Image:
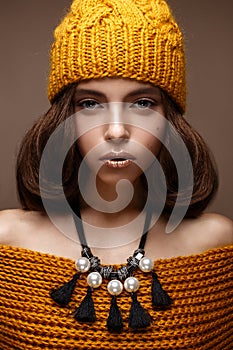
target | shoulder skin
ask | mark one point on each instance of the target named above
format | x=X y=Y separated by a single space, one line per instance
x=9 y=219
x=209 y=231
x=33 y=230
x=13 y=222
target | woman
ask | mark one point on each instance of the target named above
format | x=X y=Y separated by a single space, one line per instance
x=117 y=92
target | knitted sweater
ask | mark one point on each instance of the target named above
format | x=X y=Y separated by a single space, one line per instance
x=201 y=316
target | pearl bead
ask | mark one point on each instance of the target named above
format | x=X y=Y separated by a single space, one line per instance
x=131 y=284
x=94 y=279
x=146 y=264
x=82 y=264
x=115 y=287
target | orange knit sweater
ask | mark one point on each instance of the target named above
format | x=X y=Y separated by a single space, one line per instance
x=201 y=316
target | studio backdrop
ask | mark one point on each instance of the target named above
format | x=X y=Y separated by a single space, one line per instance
x=26 y=30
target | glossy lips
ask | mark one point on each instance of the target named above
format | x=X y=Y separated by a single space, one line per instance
x=117 y=159
x=118 y=163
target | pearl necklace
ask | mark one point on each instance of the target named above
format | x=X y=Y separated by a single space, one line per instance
x=94 y=279
x=118 y=279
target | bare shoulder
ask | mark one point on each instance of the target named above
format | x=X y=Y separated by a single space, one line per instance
x=8 y=220
x=211 y=231
x=14 y=221
x=219 y=226
x=34 y=231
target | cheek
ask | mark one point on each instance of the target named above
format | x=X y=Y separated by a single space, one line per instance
x=155 y=146
x=88 y=141
x=83 y=145
x=152 y=135
x=150 y=142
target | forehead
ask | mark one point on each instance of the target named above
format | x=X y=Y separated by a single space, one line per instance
x=116 y=87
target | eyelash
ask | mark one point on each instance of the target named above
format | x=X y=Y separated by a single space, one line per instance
x=151 y=103
x=84 y=103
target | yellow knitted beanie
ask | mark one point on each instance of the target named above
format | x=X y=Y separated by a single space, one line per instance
x=136 y=39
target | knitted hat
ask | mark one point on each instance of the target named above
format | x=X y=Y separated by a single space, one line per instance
x=136 y=39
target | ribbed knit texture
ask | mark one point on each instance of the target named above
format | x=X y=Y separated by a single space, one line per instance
x=136 y=39
x=200 y=318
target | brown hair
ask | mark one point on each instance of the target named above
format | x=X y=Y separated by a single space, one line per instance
x=205 y=176
x=28 y=162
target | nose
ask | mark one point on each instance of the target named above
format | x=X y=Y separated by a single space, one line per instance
x=117 y=131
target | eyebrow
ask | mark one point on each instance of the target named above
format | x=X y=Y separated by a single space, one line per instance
x=144 y=91
x=80 y=92
x=139 y=91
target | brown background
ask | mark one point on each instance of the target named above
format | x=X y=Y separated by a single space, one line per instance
x=26 y=30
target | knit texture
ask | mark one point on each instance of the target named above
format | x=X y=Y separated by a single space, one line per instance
x=136 y=39
x=201 y=316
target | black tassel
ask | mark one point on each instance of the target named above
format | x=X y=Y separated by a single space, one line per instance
x=160 y=298
x=138 y=317
x=86 y=310
x=114 y=322
x=63 y=294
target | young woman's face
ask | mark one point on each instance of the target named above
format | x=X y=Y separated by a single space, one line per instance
x=120 y=123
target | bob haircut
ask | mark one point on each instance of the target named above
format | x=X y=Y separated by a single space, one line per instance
x=205 y=178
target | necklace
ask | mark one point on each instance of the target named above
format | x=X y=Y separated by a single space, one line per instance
x=118 y=279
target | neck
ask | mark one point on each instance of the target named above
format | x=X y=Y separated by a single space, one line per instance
x=104 y=207
x=119 y=228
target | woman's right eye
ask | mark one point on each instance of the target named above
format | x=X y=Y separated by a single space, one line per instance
x=88 y=104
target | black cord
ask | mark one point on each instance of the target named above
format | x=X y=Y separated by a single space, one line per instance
x=145 y=229
x=82 y=237
x=79 y=228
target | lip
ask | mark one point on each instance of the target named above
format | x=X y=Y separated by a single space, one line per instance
x=118 y=164
x=113 y=156
x=117 y=159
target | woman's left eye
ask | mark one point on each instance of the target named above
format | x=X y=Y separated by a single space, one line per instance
x=88 y=104
x=144 y=103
